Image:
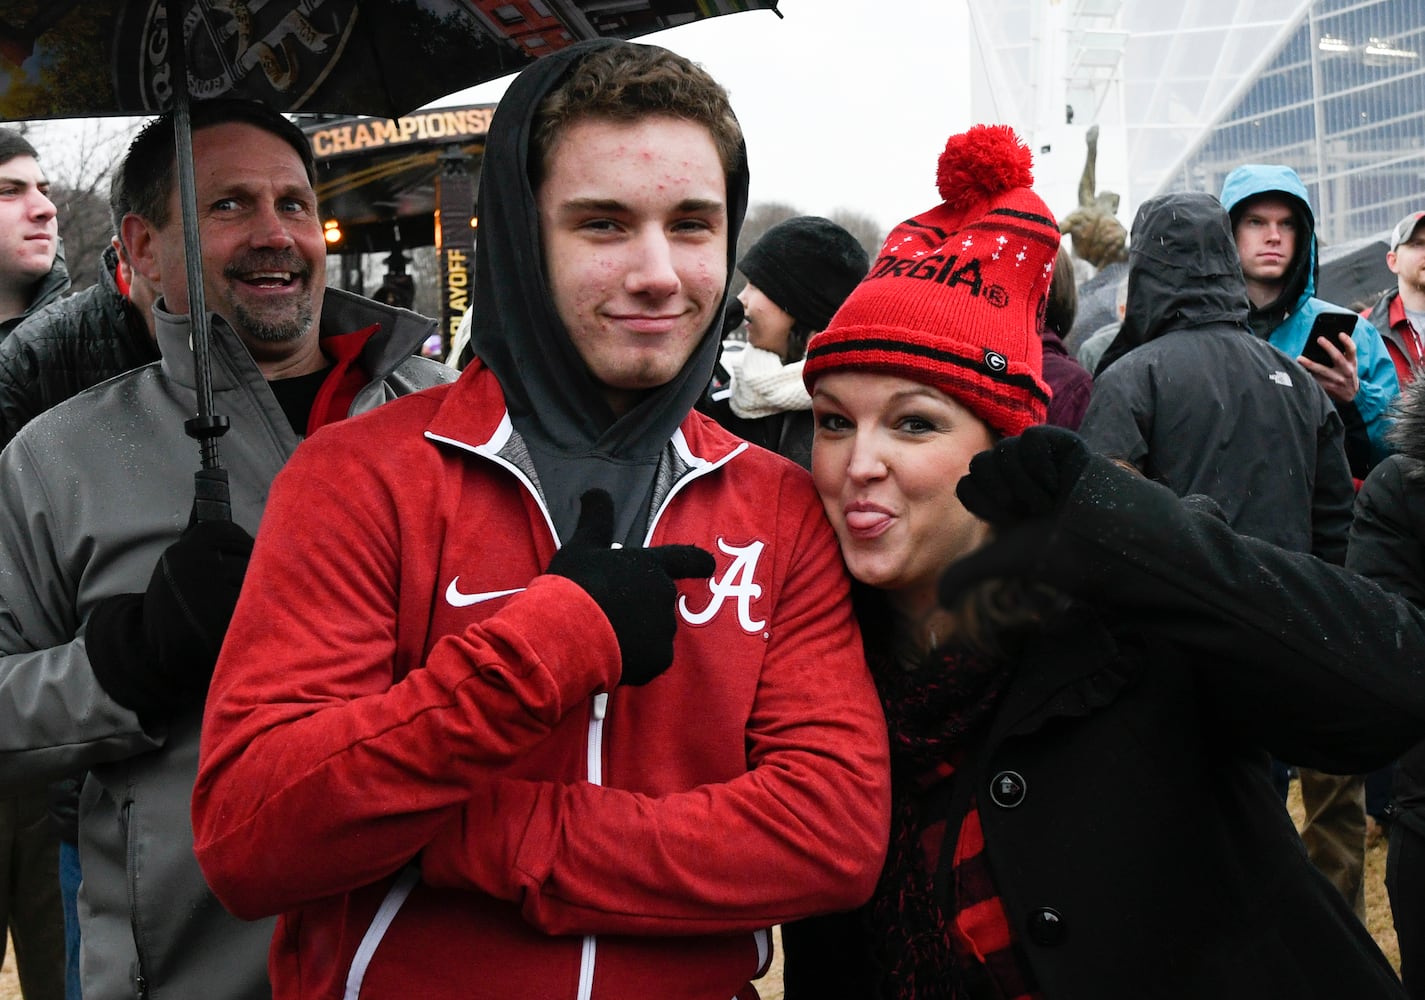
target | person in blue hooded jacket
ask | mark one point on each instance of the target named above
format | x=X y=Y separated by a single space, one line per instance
x=1276 y=239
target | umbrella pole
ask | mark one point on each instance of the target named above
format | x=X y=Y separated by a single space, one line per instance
x=211 y=497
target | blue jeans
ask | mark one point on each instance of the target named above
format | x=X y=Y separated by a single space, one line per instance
x=69 y=893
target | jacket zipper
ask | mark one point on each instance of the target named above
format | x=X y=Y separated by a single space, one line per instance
x=601 y=700
x=595 y=766
x=595 y=746
x=599 y=709
x=131 y=877
x=595 y=762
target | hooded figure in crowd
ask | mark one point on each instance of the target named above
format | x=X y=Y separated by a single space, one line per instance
x=1279 y=261
x=1192 y=399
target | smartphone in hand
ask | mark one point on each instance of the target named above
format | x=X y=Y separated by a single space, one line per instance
x=1330 y=325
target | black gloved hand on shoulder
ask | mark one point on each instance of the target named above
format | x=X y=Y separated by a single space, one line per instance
x=154 y=652
x=632 y=586
x=1018 y=487
x=1024 y=477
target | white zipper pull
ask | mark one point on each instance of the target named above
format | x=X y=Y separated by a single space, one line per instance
x=601 y=706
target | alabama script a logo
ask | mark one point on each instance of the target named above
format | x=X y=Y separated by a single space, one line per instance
x=736 y=582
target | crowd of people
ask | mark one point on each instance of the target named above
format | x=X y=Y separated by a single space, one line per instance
x=974 y=662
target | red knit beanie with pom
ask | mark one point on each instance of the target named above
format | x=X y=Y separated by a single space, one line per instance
x=957 y=296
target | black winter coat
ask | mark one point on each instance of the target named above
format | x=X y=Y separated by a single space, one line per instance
x=1145 y=853
x=1196 y=401
x=53 y=285
x=1388 y=546
x=68 y=346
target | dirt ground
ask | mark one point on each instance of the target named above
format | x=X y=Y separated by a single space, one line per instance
x=1377 y=919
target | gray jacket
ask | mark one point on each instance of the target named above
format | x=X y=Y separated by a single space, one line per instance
x=94 y=490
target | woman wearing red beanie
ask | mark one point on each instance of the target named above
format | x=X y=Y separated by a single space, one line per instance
x=1083 y=675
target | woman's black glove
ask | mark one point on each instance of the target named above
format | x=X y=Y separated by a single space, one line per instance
x=154 y=652
x=1018 y=487
x=633 y=587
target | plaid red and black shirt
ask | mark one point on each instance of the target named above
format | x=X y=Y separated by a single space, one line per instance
x=980 y=927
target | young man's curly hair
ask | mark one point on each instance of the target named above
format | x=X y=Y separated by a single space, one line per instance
x=627 y=82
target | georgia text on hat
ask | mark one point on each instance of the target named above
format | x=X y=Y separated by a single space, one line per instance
x=957 y=295
x=946 y=247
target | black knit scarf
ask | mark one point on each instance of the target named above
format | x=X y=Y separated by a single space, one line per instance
x=933 y=713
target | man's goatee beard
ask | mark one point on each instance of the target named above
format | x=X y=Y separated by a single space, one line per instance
x=276 y=330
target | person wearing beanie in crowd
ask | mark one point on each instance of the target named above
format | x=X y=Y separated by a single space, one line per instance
x=1051 y=635
x=1070 y=384
x=797 y=275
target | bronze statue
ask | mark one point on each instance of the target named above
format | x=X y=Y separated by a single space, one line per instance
x=1098 y=236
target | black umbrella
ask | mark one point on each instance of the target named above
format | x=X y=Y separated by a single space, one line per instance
x=92 y=58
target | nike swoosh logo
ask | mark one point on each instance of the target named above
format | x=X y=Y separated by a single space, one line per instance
x=456 y=599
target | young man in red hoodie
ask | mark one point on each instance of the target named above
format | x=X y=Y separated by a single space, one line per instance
x=544 y=685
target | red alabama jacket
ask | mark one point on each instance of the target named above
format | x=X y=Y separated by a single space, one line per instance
x=416 y=749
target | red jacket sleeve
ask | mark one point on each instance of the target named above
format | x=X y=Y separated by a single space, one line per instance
x=803 y=831
x=332 y=754
x=308 y=747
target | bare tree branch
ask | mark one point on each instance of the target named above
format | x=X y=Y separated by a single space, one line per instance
x=80 y=158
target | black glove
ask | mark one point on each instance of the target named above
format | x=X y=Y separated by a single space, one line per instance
x=154 y=652
x=1018 y=487
x=633 y=587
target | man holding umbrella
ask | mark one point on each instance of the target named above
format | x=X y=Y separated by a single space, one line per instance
x=112 y=603
x=565 y=697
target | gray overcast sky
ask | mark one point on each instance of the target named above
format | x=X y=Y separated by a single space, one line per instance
x=845 y=103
